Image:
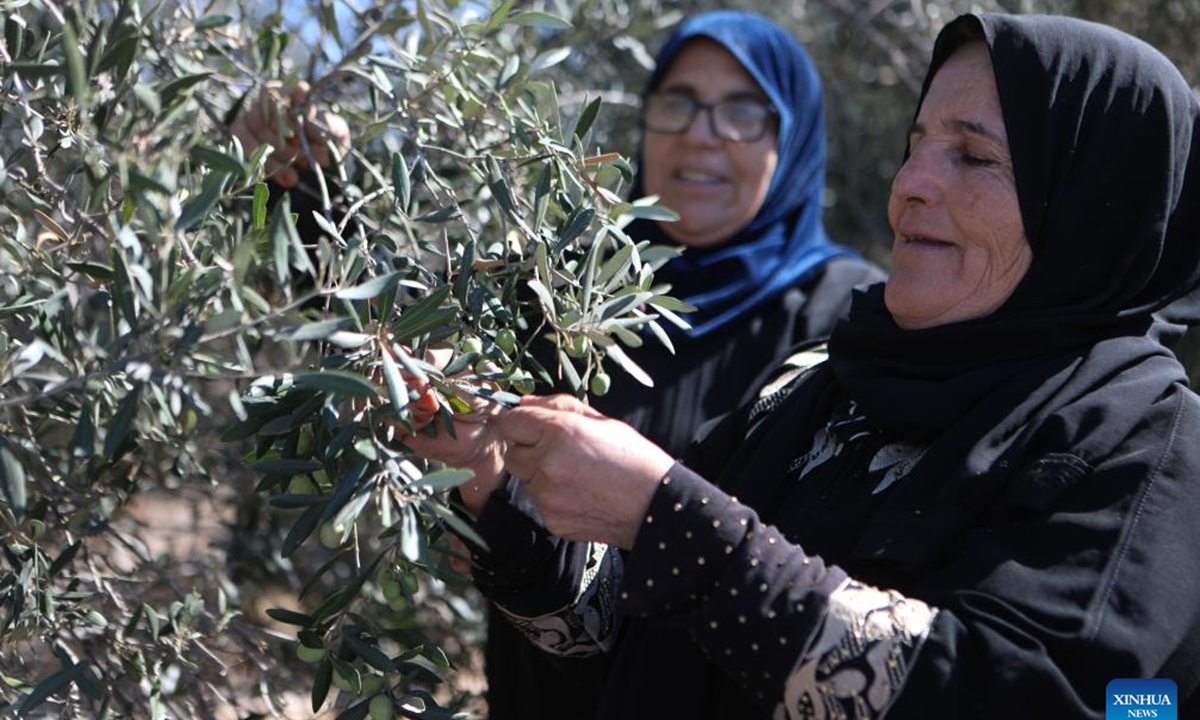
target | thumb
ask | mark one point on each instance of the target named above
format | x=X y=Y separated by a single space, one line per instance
x=562 y=403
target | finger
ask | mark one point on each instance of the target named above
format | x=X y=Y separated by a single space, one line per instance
x=524 y=462
x=422 y=444
x=425 y=408
x=296 y=156
x=298 y=93
x=317 y=143
x=562 y=403
x=320 y=155
x=281 y=173
x=440 y=356
x=327 y=127
x=314 y=132
x=274 y=118
x=266 y=111
x=254 y=124
x=338 y=131
x=525 y=425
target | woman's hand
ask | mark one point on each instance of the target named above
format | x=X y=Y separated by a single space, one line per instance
x=476 y=445
x=590 y=476
x=275 y=119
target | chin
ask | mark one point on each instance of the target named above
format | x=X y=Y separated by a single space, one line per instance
x=909 y=310
x=691 y=237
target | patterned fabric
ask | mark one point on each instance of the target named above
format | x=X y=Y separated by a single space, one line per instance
x=859 y=662
x=791 y=372
x=847 y=427
x=898 y=458
x=587 y=626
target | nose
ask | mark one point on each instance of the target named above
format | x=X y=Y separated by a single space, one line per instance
x=701 y=131
x=921 y=178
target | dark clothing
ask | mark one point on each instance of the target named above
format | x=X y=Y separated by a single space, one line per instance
x=991 y=518
x=1078 y=571
x=705 y=377
x=711 y=375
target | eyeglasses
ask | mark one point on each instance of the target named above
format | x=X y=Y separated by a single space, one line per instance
x=743 y=120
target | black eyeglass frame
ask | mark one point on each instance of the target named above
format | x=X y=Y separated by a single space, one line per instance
x=772 y=115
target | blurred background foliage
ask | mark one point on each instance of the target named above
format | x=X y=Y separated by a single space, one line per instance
x=145 y=283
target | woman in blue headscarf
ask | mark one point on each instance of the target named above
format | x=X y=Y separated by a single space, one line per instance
x=735 y=144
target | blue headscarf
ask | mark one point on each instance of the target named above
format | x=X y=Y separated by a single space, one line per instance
x=785 y=243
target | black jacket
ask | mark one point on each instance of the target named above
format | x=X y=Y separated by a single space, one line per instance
x=840 y=579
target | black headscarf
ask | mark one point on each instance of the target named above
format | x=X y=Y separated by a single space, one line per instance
x=1103 y=133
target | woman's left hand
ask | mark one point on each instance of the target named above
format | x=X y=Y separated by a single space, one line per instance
x=474 y=446
x=278 y=117
x=590 y=476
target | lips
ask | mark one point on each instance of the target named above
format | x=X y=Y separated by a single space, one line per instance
x=698 y=177
x=912 y=233
x=925 y=241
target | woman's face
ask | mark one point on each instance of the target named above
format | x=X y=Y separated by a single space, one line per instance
x=716 y=185
x=960 y=247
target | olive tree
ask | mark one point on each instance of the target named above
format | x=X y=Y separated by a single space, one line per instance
x=158 y=291
x=173 y=322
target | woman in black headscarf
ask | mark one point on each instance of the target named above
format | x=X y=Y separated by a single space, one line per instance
x=983 y=504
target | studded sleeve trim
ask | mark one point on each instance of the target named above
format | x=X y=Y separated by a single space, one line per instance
x=800 y=636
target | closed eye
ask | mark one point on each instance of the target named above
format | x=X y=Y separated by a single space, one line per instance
x=976 y=160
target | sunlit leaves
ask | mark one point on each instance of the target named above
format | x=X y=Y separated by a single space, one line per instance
x=153 y=274
x=12 y=479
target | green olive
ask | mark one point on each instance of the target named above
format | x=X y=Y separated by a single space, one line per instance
x=332 y=536
x=310 y=654
x=522 y=383
x=343 y=682
x=302 y=485
x=577 y=346
x=506 y=340
x=600 y=384
x=391 y=588
x=471 y=345
x=371 y=684
x=381 y=708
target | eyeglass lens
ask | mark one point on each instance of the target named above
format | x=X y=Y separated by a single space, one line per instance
x=736 y=119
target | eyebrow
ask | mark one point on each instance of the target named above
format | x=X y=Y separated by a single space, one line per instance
x=968 y=126
x=689 y=89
